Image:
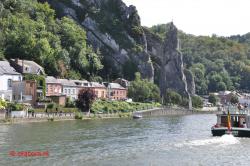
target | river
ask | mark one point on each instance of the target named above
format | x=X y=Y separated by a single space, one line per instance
x=155 y=141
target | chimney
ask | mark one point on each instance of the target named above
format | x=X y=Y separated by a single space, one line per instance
x=16 y=60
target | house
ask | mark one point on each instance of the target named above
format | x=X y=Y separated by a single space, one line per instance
x=25 y=91
x=26 y=67
x=225 y=96
x=99 y=89
x=53 y=86
x=124 y=83
x=244 y=99
x=7 y=75
x=116 y=91
x=54 y=90
x=69 y=88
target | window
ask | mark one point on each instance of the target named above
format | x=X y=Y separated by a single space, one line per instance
x=41 y=83
x=65 y=91
x=9 y=83
x=73 y=91
x=27 y=69
x=69 y=91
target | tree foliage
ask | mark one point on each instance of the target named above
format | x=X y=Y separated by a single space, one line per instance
x=172 y=97
x=217 y=63
x=142 y=90
x=234 y=99
x=212 y=99
x=86 y=98
x=197 y=102
x=29 y=30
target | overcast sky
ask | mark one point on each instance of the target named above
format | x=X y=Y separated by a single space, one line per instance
x=198 y=17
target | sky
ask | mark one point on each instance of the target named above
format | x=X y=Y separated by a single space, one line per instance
x=197 y=17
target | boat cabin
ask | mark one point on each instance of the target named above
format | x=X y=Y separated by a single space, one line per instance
x=237 y=120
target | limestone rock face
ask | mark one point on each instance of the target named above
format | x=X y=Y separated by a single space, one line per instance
x=168 y=63
x=114 y=29
x=172 y=72
x=127 y=47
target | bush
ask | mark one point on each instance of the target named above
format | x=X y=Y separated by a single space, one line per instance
x=172 y=97
x=120 y=106
x=212 y=99
x=70 y=103
x=197 y=102
x=78 y=116
x=15 y=106
x=3 y=104
x=51 y=106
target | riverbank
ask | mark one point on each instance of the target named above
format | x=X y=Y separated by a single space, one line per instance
x=166 y=111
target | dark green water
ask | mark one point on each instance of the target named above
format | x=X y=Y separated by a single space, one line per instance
x=181 y=140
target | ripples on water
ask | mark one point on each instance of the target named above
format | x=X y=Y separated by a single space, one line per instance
x=181 y=140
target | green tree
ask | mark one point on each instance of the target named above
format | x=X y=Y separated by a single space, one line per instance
x=197 y=102
x=142 y=90
x=212 y=99
x=3 y=104
x=172 y=97
x=234 y=99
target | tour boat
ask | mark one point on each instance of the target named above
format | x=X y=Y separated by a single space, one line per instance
x=235 y=122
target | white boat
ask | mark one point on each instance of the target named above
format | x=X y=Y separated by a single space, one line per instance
x=137 y=116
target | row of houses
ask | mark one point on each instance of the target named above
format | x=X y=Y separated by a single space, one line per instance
x=60 y=89
x=14 y=85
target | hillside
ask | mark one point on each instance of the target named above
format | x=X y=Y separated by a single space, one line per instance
x=104 y=40
x=94 y=40
x=218 y=63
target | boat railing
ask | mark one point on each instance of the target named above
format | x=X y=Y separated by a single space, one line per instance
x=235 y=110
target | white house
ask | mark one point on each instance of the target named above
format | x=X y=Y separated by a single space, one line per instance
x=69 y=88
x=7 y=75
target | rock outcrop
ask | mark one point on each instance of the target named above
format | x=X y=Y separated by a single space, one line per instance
x=115 y=29
x=168 y=63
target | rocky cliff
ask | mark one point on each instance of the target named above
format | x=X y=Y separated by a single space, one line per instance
x=115 y=30
x=127 y=47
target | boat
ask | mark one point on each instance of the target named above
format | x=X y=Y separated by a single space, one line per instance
x=137 y=116
x=235 y=122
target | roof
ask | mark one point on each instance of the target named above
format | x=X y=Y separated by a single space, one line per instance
x=5 y=68
x=81 y=83
x=51 y=80
x=29 y=67
x=97 y=85
x=66 y=82
x=115 y=86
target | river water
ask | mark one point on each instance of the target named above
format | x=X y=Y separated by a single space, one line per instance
x=156 y=141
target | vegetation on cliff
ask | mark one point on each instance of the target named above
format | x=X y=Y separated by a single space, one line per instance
x=29 y=30
x=141 y=90
x=217 y=63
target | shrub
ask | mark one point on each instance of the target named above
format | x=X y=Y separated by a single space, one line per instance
x=78 y=116
x=15 y=106
x=51 y=105
x=197 y=102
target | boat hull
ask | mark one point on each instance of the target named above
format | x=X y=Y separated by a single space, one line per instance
x=237 y=132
